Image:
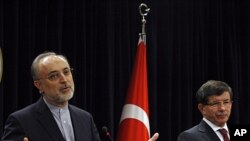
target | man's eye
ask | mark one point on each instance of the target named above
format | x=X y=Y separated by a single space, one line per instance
x=226 y=102
x=216 y=103
x=66 y=72
x=53 y=76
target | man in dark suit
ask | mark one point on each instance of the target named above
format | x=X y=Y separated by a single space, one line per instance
x=51 y=118
x=214 y=102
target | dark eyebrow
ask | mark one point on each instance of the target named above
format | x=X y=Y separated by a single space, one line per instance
x=221 y=100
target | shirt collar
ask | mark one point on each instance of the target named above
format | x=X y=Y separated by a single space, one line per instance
x=213 y=126
x=55 y=108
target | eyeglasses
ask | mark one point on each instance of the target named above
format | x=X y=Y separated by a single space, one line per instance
x=225 y=103
x=55 y=75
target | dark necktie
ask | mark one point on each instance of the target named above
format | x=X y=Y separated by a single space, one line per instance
x=224 y=134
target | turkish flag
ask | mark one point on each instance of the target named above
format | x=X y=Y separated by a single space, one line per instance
x=134 y=122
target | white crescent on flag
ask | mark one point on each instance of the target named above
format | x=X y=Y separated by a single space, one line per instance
x=135 y=112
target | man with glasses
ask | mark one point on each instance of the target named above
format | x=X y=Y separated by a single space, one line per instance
x=214 y=102
x=52 y=118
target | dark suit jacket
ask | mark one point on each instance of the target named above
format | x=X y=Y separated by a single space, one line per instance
x=38 y=124
x=200 y=132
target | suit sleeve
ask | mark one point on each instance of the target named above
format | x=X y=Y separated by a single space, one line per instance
x=13 y=130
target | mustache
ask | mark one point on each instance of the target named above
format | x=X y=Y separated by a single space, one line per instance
x=221 y=113
x=65 y=86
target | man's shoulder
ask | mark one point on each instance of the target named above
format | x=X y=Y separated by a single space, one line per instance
x=24 y=111
x=192 y=133
x=30 y=110
x=201 y=127
x=201 y=131
x=193 y=129
x=24 y=115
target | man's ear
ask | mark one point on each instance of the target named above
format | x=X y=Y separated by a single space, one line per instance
x=37 y=84
x=201 y=107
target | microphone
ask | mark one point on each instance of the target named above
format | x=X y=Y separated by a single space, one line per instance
x=106 y=133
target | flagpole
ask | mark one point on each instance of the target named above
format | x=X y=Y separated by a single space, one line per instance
x=134 y=123
x=144 y=10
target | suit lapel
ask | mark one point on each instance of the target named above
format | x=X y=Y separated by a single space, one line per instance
x=76 y=122
x=206 y=129
x=47 y=121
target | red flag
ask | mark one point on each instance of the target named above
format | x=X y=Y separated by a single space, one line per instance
x=134 y=123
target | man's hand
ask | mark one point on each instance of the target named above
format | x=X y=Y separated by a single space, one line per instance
x=155 y=137
x=25 y=139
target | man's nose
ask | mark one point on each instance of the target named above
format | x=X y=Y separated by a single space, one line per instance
x=63 y=77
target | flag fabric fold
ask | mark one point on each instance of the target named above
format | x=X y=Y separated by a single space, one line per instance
x=134 y=122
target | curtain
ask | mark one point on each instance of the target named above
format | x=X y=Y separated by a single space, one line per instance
x=188 y=43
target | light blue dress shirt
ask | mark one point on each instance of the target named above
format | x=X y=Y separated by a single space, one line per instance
x=63 y=120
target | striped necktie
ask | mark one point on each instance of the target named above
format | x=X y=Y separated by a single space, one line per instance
x=223 y=132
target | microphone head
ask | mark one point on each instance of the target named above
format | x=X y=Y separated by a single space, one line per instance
x=104 y=129
x=106 y=133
